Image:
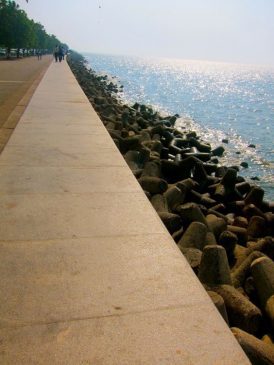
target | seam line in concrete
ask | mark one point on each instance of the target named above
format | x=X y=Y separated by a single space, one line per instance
x=80 y=319
x=84 y=237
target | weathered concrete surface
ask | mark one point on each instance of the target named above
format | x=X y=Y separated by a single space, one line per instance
x=89 y=274
x=18 y=81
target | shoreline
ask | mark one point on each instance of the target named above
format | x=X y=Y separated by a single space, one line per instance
x=220 y=222
x=215 y=113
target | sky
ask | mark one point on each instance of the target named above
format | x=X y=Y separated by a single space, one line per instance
x=239 y=31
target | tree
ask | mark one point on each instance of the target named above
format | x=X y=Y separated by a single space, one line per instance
x=8 y=12
x=18 y=31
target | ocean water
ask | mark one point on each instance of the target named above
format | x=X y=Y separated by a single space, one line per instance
x=218 y=100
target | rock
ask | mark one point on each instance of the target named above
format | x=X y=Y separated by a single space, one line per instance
x=214 y=160
x=167 y=135
x=249 y=288
x=174 y=197
x=194 y=196
x=236 y=207
x=258 y=352
x=194 y=236
x=216 y=225
x=217 y=214
x=268 y=338
x=265 y=245
x=225 y=190
x=110 y=126
x=270 y=223
x=144 y=135
x=202 y=147
x=191 y=134
x=159 y=203
x=154 y=185
x=240 y=254
x=148 y=195
x=154 y=145
x=235 y=167
x=240 y=232
x=172 y=221
x=230 y=218
x=241 y=312
x=136 y=106
x=240 y=222
x=174 y=147
x=219 y=304
x=207 y=201
x=130 y=143
x=193 y=256
x=243 y=187
x=202 y=156
x=134 y=159
x=173 y=119
x=214 y=268
x=244 y=164
x=225 y=140
x=256 y=227
x=220 y=171
x=255 y=196
x=171 y=171
x=270 y=207
x=99 y=100
x=250 y=210
x=139 y=157
x=251 y=145
x=219 y=208
x=200 y=175
x=187 y=185
x=240 y=273
x=152 y=168
x=178 y=234
x=228 y=240
x=124 y=133
x=262 y=270
x=210 y=239
x=218 y=151
x=190 y=212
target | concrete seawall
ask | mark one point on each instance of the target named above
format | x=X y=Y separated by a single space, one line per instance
x=89 y=273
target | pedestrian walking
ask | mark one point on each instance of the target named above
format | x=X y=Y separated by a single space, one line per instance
x=60 y=53
x=56 y=52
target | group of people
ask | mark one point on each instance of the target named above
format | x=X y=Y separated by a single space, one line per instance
x=59 y=53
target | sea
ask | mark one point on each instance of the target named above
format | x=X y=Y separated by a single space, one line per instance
x=220 y=101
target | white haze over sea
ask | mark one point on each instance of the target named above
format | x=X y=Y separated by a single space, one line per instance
x=218 y=100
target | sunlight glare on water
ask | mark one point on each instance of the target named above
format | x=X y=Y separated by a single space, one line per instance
x=218 y=100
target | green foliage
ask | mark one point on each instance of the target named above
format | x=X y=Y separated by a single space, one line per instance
x=18 y=31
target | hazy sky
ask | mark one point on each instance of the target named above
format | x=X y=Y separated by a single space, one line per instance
x=217 y=30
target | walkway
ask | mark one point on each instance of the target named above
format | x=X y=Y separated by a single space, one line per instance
x=18 y=81
x=89 y=275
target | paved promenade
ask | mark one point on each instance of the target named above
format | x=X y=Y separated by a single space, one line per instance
x=89 y=275
x=18 y=81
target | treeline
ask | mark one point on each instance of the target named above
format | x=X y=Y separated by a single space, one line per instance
x=18 y=32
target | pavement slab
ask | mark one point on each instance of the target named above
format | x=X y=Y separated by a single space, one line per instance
x=18 y=81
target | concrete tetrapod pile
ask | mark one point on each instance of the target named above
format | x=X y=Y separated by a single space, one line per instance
x=220 y=222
